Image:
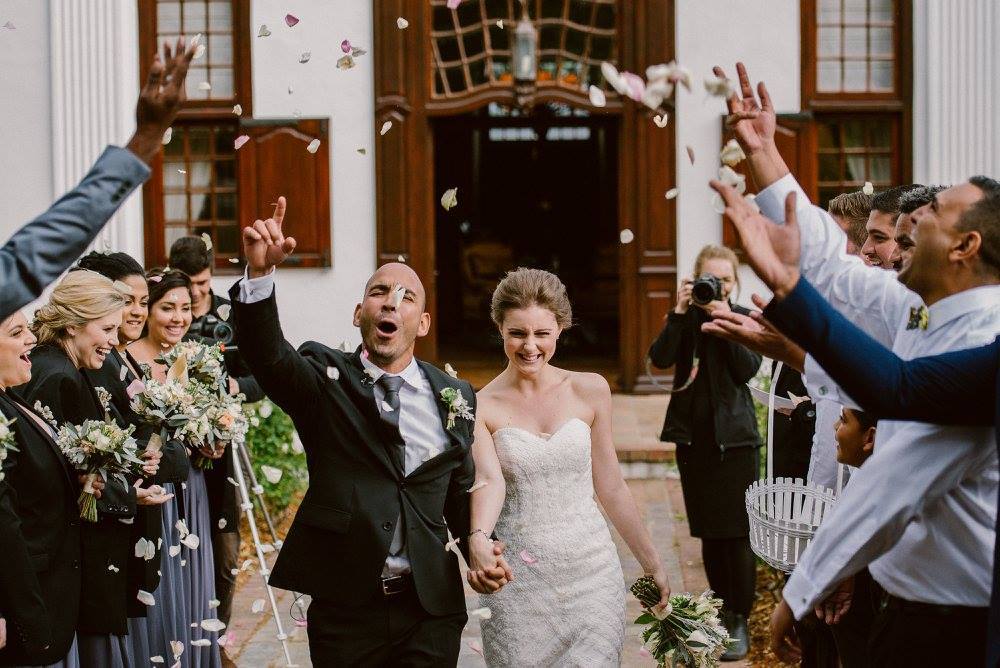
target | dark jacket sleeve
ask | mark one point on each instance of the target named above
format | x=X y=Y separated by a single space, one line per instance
x=43 y=249
x=958 y=387
x=175 y=464
x=250 y=388
x=743 y=363
x=456 y=505
x=20 y=592
x=663 y=352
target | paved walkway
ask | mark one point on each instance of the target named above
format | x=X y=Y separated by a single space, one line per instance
x=657 y=493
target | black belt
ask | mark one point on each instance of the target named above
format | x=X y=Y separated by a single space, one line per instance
x=396 y=584
x=890 y=602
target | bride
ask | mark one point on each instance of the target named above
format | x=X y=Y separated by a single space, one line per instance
x=543 y=447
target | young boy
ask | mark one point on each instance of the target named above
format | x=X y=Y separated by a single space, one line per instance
x=855 y=433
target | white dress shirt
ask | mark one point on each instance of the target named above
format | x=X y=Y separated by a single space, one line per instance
x=419 y=419
x=921 y=511
x=823 y=457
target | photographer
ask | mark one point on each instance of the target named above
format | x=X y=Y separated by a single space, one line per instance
x=711 y=419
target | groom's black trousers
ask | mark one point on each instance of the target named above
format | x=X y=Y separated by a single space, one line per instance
x=911 y=635
x=388 y=631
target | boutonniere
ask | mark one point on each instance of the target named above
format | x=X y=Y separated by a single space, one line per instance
x=46 y=413
x=7 y=439
x=919 y=317
x=371 y=375
x=458 y=407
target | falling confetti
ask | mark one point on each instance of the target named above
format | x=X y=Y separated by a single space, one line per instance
x=213 y=603
x=182 y=528
x=730 y=177
x=145 y=549
x=333 y=373
x=112 y=568
x=385 y=128
x=363 y=151
x=482 y=613
x=476 y=647
x=212 y=625
x=271 y=473
x=661 y=120
x=690 y=152
x=402 y=23
x=452 y=545
x=868 y=188
x=145 y=598
x=257 y=606
x=155 y=279
x=201 y=642
x=167 y=136
x=345 y=46
x=345 y=62
x=232 y=482
x=263 y=32
x=191 y=541
x=527 y=557
x=242 y=139
x=198 y=52
x=9 y=26
x=672 y=193
x=306 y=55
x=123 y=373
x=449 y=199
x=450 y=370
x=204 y=85
x=266 y=548
x=732 y=154
x=752 y=201
x=207 y=240
x=177 y=647
x=238 y=109
x=500 y=24
x=234 y=260
x=719 y=86
x=386 y=408
x=182 y=171
x=156 y=659
x=291 y=20
x=225 y=310
x=626 y=236
x=174 y=550
x=356 y=52
x=597 y=97
x=313 y=146
x=718 y=204
x=290 y=90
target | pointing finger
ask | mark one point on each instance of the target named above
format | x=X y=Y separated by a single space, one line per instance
x=745 y=88
x=279 y=211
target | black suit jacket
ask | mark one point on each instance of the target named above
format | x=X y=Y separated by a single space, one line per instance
x=40 y=538
x=60 y=386
x=338 y=543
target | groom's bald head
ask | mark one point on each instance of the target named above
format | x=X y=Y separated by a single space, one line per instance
x=397 y=273
x=391 y=315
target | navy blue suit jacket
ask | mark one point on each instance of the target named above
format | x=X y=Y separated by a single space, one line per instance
x=960 y=387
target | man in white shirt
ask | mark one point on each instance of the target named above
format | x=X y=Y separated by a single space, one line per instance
x=921 y=512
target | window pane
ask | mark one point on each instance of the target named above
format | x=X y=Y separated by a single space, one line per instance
x=880 y=134
x=222 y=83
x=175 y=207
x=855 y=41
x=855 y=11
x=225 y=206
x=881 y=169
x=171 y=177
x=854 y=133
x=168 y=17
x=881 y=41
x=880 y=10
x=828 y=42
x=200 y=174
x=198 y=141
x=828 y=75
x=194 y=17
x=828 y=11
x=829 y=135
x=829 y=167
x=220 y=50
x=225 y=174
x=220 y=16
x=854 y=167
x=855 y=76
x=196 y=75
x=227 y=240
x=881 y=75
x=172 y=234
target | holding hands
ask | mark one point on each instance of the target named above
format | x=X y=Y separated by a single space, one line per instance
x=488 y=570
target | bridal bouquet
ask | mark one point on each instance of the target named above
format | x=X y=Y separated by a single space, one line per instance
x=99 y=446
x=204 y=363
x=688 y=633
x=220 y=420
x=7 y=439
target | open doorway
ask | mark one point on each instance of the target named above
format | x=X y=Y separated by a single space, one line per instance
x=535 y=190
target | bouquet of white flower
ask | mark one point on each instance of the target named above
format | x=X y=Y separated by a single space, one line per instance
x=688 y=633
x=204 y=363
x=220 y=420
x=99 y=446
x=7 y=440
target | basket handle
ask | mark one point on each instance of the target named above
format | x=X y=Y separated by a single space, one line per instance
x=770 y=419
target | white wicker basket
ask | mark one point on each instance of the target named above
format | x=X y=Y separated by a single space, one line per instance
x=784 y=513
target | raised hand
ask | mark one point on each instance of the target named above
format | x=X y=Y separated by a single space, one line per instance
x=265 y=246
x=754 y=123
x=773 y=250
x=756 y=333
x=160 y=99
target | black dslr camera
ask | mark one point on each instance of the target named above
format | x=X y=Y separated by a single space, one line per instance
x=210 y=327
x=706 y=289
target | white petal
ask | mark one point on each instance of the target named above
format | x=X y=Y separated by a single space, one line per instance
x=257 y=607
x=263 y=32
x=661 y=120
x=156 y=659
x=402 y=23
x=199 y=52
x=479 y=484
x=868 y=188
x=306 y=55
x=238 y=143
x=145 y=597
x=452 y=545
x=167 y=135
x=332 y=372
x=191 y=541
x=181 y=527
x=238 y=109
x=345 y=62
x=113 y=568
x=718 y=204
x=313 y=146
x=174 y=550
x=481 y=613
x=213 y=603
x=266 y=548
x=752 y=200
x=224 y=310
x=204 y=85
x=386 y=408
x=626 y=236
x=222 y=523
x=672 y=193
x=450 y=370
x=234 y=260
x=177 y=647
x=201 y=642
x=212 y=625
x=123 y=373
x=232 y=482
x=207 y=240
x=385 y=127
x=398 y=295
x=612 y=76
x=732 y=153
x=247 y=563
x=450 y=198
x=597 y=96
x=500 y=24
x=718 y=86
x=272 y=474
x=140 y=548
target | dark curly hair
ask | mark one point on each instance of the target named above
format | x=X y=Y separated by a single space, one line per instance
x=161 y=281
x=115 y=266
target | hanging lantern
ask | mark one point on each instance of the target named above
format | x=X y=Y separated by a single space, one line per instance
x=525 y=57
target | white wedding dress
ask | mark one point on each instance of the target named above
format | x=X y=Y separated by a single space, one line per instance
x=566 y=605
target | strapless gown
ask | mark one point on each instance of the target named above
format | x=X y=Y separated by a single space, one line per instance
x=566 y=605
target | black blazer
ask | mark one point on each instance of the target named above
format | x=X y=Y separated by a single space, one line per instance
x=40 y=535
x=60 y=386
x=339 y=540
x=729 y=366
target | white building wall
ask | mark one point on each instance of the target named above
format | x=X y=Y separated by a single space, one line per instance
x=764 y=34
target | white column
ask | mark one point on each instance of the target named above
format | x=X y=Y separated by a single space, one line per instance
x=95 y=83
x=956 y=90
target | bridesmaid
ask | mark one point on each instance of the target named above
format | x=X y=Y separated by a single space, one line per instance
x=39 y=524
x=76 y=330
x=168 y=322
x=122 y=377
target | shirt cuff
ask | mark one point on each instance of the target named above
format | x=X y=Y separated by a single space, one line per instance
x=771 y=199
x=800 y=594
x=256 y=289
x=821 y=386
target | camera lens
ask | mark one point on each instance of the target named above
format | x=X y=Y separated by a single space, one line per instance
x=223 y=333
x=706 y=290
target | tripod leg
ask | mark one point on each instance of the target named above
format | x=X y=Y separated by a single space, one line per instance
x=247 y=507
x=258 y=491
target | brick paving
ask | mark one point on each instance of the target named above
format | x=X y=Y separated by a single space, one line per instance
x=657 y=493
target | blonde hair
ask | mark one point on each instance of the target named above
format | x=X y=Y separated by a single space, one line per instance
x=523 y=288
x=82 y=296
x=713 y=252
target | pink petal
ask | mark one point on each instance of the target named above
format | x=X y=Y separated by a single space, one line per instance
x=645 y=653
x=690 y=152
x=636 y=86
x=453 y=4
x=301 y=623
x=345 y=46
x=527 y=557
x=473 y=644
x=155 y=279
x=290 y=20
x=242 y=139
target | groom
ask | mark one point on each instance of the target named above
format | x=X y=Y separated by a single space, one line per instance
x=388 y=449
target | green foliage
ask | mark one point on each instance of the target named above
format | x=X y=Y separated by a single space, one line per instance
x=763 y=381
x=270 y=441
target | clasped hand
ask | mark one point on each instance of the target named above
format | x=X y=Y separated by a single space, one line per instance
x=488 y=570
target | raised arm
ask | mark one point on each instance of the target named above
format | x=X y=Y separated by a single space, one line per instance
x=43 y=249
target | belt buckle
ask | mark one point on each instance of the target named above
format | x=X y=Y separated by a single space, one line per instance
x=387 y=585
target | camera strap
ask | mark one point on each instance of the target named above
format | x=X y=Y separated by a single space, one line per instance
x=673 y=390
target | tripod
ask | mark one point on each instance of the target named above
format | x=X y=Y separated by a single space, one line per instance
x=240 y=455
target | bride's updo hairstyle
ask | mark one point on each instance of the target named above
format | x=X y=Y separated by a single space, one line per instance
x=82 y=296
x=524 y=288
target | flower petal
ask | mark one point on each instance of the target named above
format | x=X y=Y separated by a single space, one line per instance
x=145 y=598
x=263 y=32
x=213 y=603
x=402 y=23
x=242 y=139
x=238 y=109
x=174 y=550
x=205 y=85
x=212 y=625
x=271 y=473
x=291 y=20
x=597 y=97
x=113 y=568
x=207 y=240
x=626 y=236
x=661 y=120
x=199 y=51
x=345 y=62
x=868 y=188
x=449 y=199
x=191 y=541
x=732 y=153
x=527 y=557
x=167 y=136
x=313 y=146
x=225 y=310
x=690 y=152
x=385 y=128
x=177 y=647
x=156 y=659
x=332 y=372
x=306 y=55
x=257 y=606
x=450 y=370
x=201 y=642
x=672 y=193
